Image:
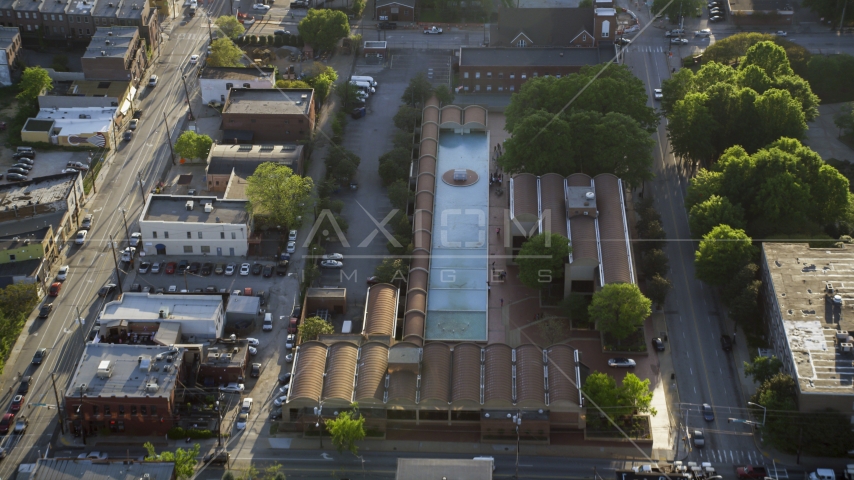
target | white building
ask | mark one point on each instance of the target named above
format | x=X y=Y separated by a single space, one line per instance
x=167 y=319
x=188 y=225
x=215 y=82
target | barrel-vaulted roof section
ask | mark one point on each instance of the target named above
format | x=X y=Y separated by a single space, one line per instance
x=579 y=180
x=475 y=117
x=466 y=374
x=381 y=310
x=498 y=375
x=402 y=387
x=436 y=374
x=613 y=232
x=563 y=380
x=451 y=117
x=373 y=362
x=553 y=203
x=584 y=244
x=530 y=375
x=308 y=372
x=341 y=371
x=525 y=198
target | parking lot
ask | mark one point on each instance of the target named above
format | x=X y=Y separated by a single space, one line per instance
x=45 y=163
x=437 y=68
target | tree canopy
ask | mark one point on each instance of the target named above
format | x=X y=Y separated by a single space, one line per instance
x=34 y=81
x=675 y=8
x=418 y=91
x=619 y=309
x=313 y=327
x=185 y=460
x=633 y=396
x=714 y=211
x=347 y=429
x=762 y=369
x=784 y=188
x=275 y=192
x=595 y=121
x=542 y=258
x=322 y=28
x=224 y=53
x=193 y=145
x=230 y=26
x=321 y=78
x=392 y=270
x=722 y=253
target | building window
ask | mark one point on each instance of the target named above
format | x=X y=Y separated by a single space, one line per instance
x=476 y=74
x=11 y=258
x=605 y=33
x=512 y=88
x=488 y=74
x=54 y=30
x=299 y=121
x=512 y=76
x=557 y=76
x=584 y=38
x=489 y=88
x=606 y=29
x=222 y=235
x=62 y=29
x=500 y=74
x=200 y=234
x=477 y=88
x=466 y=88
x=206 y=248
x=153 y=410
x=19 y=14
x=85 y=19
x=188 y=249
x=466 y=75
x=524 y=76
x=78 y=19
x=521 y=43
x=29 y=28
x=106 y=409
x=246 y=85
x=80 y=31
x=154 y=234
x=94 y=409
x=535 y=75
x=52 y=16
x=233 y=235
x=121 y=409
x=286 y=122
x=60 y=18
x=87 y=31
x=133 y=409
x=26 y=14
x=500 y=89
x=143 y=409
x=189 y=235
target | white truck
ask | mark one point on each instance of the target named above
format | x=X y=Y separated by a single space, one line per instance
x=433 y=31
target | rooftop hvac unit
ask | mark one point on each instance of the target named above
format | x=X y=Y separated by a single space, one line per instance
x=228 y=357
x=847 y=347
x=151 y=387
x=105 y=369
x=145 y=364
x=189 y=204
x=83 y=388
x=460 y=175
x=103 y=53
x=208 y=207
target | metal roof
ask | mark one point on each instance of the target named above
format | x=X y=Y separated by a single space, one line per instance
x=117 y=469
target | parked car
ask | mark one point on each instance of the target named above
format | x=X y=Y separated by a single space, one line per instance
x=260 y=7
x=106 y=289
x=135 y=238
x=44 y=312
x=24 y=387
x=244 y=269
x=144 y=266
x=433 y=31
x=17 y=403
x=716 y=18
x=781 y=33
x=6 y=422
x=279 y=401
x=232 y=388
x=88 y=220
x=658 y=344
x=93 y=456
x=299 y=4
x=242 y=419
x=229 y=269
x=20 y=155
x=726 y=343
x=183 y=265
x=170 y=268
x=332 y=256
x=128 y=254
x=133 y=124
x=331 y=264
x=39 y=356
x=292 y=247
x=257 y=268
x=207 y=268
x=127 y=136
x=255 y=371
x=137 y=114
x=292 y=235
x=17 y=177
x=621 y=362
x=285 y=377
x=23 y=166
x=19 y=171
x=62 y=274
x=55 y=287
x=281 y=32
x=194 y=268
x=219 y=269
x=289 y=342
x=268 y=271
x=282 y=268
x=194 y=59
x=156 y=267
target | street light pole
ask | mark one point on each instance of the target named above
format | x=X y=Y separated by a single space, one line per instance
x=517 y=420
x=116 y=263
x=169 y=140
x=318 y=411
x=764 y=411
x=187 y=92
x=127 y=230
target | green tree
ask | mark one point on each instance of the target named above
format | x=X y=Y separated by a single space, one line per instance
x=539 y=145
x=619 y=309
x=761 y=369
x=292 y=84
x=224 y=53
x=768 y=56
x=676 y=8
x=347 y=429
x=689 y=129
x=192 y=145
x=585 y=4
x=18 y=299
x=778 y=396
x=654 y=262
x=348 y=93
x=230 y=26
x=34 y=81
x=742 y=279
x=601 y=389
x=321 y=78
x=228 y=475
x=844 y=119
x=575 y=307
x=275 y=192
x=394 y=165
x=542 y=258
x=185 y=460
x=827 y=76
x=635 y=393
x=399 y=195
x=657 y=289
x=744 y=306
x=722 y=253
x=407 y=117
x=358 y=8
x=704 y=185
x=313 y=327
x=705 y=216
x=651 y=235
x=392 y=270
x=553 y=330
x=444 y=94
x=322 y=28
x=341 y=164
x=418 y=91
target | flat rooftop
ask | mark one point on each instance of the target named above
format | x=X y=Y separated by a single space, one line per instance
x=153 y=376
x=119 y=469
x=530 y=57
x=244 y=159
x=269 y=101
x=804 y=282
x=7 y=35
x=80 y=7
x=28 y=226
x=135 y=306
x=77 y=120
x=93 y=88
x=173 y=208
x=779 y=6
x=434 y=468
x=43 y=191
x=459 y=262
x=235 y=73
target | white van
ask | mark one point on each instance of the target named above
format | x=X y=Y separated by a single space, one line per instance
x=347 y=327
x=363 y=78
x=491 y=460
x=823 y=474
x=268 y=322
x=364 y=86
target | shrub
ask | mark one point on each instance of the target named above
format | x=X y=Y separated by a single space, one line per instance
x=178 y=433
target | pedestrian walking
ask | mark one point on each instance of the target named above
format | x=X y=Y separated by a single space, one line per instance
x=498 y=231
x=502 y=302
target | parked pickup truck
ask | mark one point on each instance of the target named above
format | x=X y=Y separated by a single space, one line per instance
x=750 y=471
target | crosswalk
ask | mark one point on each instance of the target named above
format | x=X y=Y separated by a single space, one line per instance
x=646 y=48
x=191 y=36
x=737 y=458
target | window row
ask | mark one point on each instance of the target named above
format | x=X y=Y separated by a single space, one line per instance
x=143 y=410
x=500 y=88
x=200 y=235
x=511 y=76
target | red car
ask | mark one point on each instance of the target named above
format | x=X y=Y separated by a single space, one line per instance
x=54 y=289
x=170 y=268
x=6 y=423
x=17 y=403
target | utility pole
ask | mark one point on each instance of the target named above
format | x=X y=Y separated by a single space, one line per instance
x=141 y=191
x=58 y=405
x=517 y=420
x=210 y=32
x=81 y=322
x=116 y=263
x=169 y=139
x=127 y=230
x=187 y=92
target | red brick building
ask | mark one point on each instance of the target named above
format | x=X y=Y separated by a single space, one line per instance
x=395 y=10
x=125 y=389
x=270 y=115
x=115 y=53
